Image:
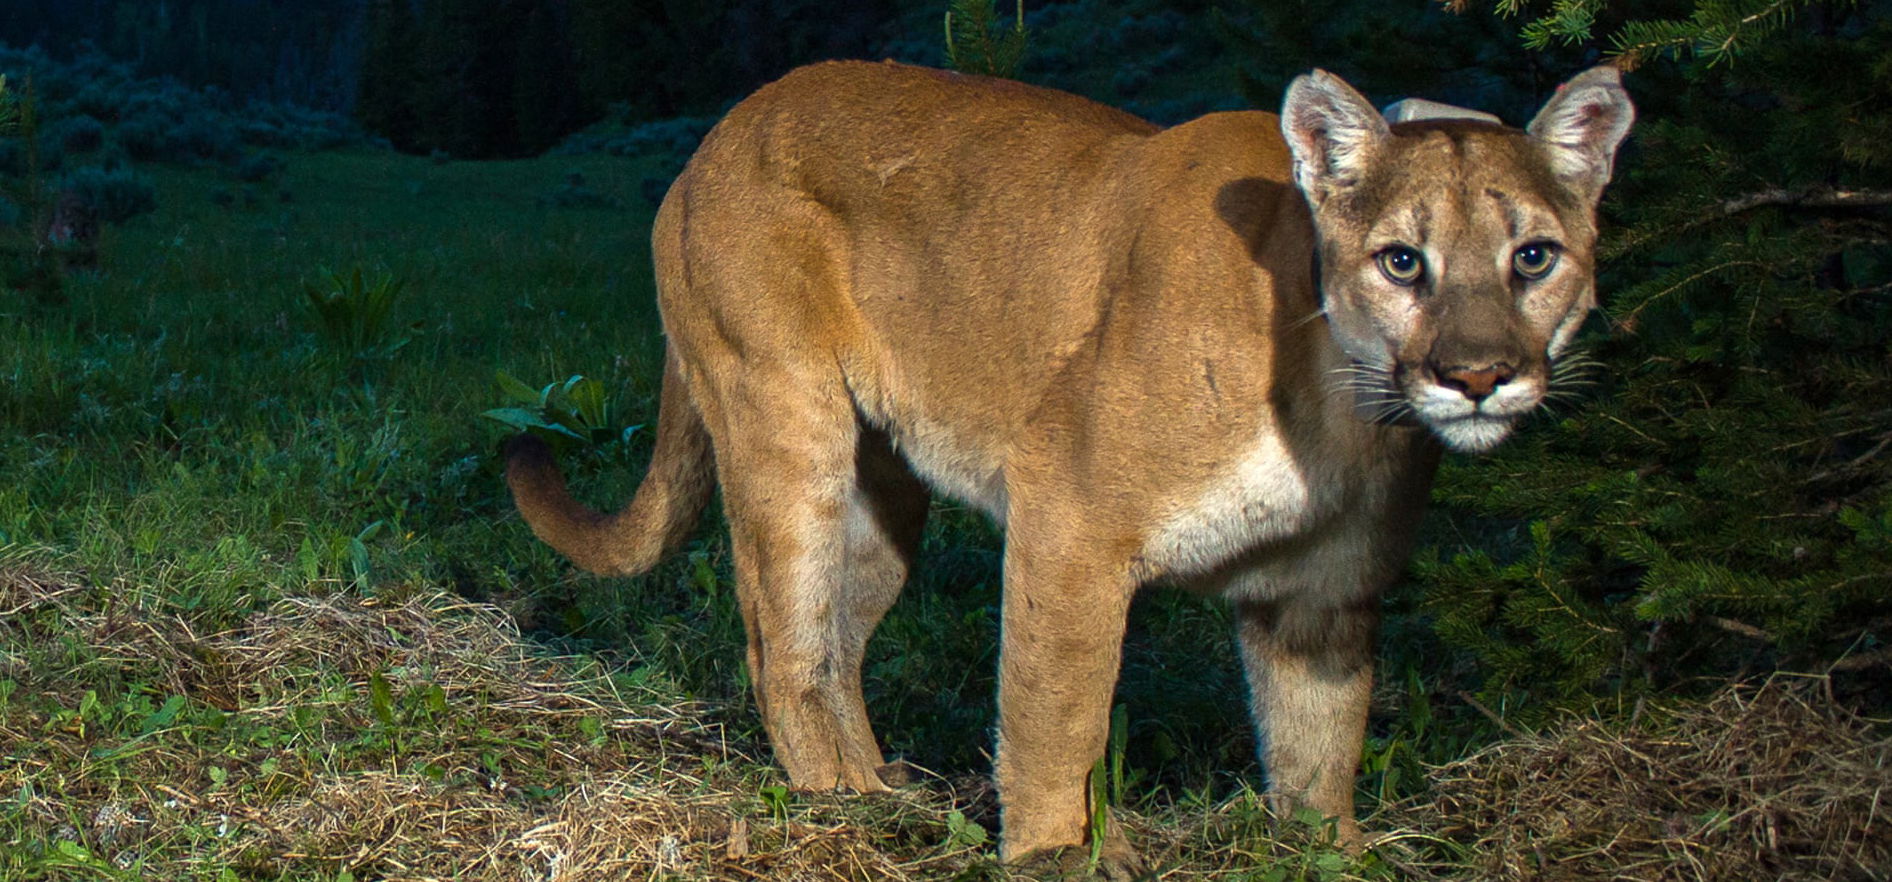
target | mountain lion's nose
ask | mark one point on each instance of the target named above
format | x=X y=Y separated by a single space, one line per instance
x=1476 y=383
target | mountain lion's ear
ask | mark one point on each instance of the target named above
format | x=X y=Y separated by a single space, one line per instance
x=1331 y=131
x=1581 y=125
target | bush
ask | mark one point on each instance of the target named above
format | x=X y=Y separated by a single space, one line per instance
x=673 y=138
x=116 y=194
x=257 y=167
x=100 y=100
x=93 y=103
x=575 y=193
x=75 y=134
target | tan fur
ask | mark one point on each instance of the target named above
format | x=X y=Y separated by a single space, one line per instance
x=878 y=278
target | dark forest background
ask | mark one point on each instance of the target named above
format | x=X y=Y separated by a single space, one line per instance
x=473 y=78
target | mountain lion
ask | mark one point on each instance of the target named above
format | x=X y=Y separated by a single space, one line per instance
x=1222 y=355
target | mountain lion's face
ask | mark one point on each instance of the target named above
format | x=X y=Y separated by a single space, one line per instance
x=1456 y=256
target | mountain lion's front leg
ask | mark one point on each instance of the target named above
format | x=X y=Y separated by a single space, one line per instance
x=1310 y=674
x=1062 y=639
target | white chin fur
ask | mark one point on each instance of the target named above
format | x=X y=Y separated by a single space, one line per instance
x=1475 y=434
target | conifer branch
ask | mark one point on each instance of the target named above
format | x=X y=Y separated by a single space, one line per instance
x=1742 y=628
x=1629 y=318
x=1491 y=715
x=1806 y=197
x=1818 y=197
x=1882 y=655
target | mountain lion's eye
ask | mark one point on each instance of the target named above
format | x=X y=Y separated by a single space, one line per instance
x=1402 y=265
x=1534 y=261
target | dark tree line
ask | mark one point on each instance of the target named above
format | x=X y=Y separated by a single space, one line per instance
x=470 y=77
x=301 y=51
x=510 y=77
x=473 y=78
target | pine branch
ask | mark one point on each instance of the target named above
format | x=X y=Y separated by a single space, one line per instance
x=1810 y=197
x=1707 y=33
x=1492 y=715
x=1629 y=317
x=1882 y=655
x=1804 y=197
x=1742 y=628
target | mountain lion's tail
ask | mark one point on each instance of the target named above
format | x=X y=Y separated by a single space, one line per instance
x=661 y=515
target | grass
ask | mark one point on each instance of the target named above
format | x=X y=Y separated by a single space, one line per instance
x=265 y=612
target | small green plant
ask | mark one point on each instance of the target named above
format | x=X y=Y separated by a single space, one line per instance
x=353 y=313
x=962 y=832
x=1107 y=782
x=574 y=413
x=775 y=799
x=977 y=43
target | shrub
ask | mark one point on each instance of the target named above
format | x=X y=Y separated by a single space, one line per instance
x=257 y=167
x=142 y=137
x=76 y=134
x=116 y=194
x=575 y=193
x=100 y=100
x=674 y=138
x=93 y=102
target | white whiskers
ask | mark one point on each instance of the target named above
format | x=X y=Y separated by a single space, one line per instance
x=1571 y=377
x=1373 y=392
x=1322 y=311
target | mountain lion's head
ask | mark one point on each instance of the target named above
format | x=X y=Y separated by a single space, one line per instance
x=1457 y=256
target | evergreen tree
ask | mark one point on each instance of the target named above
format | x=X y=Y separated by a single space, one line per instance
x=449 y=106
x=1724 y=505
x=545 y=93
x=977 y=42
x=389 y=71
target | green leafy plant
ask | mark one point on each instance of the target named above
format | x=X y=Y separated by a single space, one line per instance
x=962 y=832
x=977 y=42
x=354 y=313
x=573 y=413
x=775 y=798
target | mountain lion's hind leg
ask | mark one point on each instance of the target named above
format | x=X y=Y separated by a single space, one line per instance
x=886 y=514
x=823 y=520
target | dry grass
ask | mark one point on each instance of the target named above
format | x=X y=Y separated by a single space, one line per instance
x=498 y=782
x=477 y=763
x=1771 y=781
